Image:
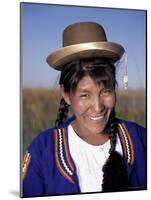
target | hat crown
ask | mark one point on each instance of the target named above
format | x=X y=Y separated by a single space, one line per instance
x=83 y=32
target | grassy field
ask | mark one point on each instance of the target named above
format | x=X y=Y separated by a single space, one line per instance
x=40 y=110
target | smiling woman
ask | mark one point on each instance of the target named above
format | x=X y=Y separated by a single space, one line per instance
x=92 y=100
x=93 y=151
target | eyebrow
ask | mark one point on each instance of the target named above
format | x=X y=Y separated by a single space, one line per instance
x=86 y=90
x=83 y=90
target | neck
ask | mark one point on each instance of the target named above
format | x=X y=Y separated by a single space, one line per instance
x=93 y=139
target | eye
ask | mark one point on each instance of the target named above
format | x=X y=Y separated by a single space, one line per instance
x=107 y=92
x=86 y=95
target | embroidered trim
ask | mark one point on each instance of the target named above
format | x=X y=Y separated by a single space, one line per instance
x=60 y=156
x=66 y=149
x=61 y=153
x=26 y=162
x=130 y=143
x=123 y=141
x=127 y=143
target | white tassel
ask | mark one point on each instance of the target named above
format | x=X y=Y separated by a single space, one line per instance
x=125 y=78
x=125 y=81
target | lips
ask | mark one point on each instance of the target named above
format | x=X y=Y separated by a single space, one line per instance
x=96 y=118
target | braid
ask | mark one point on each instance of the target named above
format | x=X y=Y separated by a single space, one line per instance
x=115 y=176
x=62 y=112
x=113 y=131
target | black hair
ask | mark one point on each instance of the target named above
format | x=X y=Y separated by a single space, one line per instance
x=100 y=70
x=62 y=112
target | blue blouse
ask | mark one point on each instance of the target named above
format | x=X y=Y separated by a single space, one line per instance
x=48 y=168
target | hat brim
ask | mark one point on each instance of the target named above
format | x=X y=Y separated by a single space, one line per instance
x=110 y=50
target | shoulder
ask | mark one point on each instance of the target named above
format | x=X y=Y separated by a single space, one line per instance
x=135 y=130
x=131 y=124
x=41 y=142
x=45 y=139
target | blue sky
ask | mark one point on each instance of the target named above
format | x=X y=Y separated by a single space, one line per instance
x=41 y=33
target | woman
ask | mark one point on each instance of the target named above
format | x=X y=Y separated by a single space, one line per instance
x=92 y=151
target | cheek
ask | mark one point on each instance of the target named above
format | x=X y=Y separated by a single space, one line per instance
x=79 y=107
x=110 y=102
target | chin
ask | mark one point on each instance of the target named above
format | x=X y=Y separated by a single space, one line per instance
x=96 y=129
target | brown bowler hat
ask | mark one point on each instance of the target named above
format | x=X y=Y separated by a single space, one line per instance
x=83 y=40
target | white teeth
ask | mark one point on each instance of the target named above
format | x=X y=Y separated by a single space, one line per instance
x=97 y=118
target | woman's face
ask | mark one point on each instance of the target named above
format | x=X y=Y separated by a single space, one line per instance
x=92 y=105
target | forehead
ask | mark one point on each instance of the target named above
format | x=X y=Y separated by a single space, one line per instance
x=87 y=83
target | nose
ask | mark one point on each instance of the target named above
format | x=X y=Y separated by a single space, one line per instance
x=98 y=105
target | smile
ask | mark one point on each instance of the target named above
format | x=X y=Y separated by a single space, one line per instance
x=97 y=118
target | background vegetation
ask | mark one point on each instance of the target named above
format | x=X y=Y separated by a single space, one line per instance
x=39 y=110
